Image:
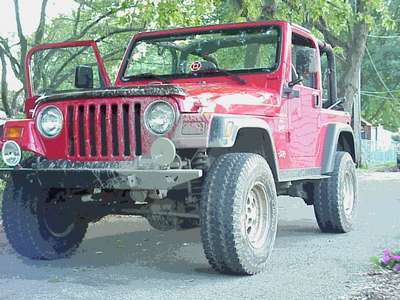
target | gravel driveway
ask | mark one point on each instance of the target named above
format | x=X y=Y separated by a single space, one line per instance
x=122 y=258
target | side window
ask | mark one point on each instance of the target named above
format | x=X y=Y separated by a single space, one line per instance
x=304 y=60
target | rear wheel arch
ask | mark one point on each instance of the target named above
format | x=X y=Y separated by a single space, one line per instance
x=346 y=144
x=338 y=137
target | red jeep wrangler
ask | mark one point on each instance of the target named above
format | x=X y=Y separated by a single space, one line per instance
x=203 y=127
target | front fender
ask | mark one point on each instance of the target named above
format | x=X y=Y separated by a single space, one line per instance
x=29 y=139
x=224 y=129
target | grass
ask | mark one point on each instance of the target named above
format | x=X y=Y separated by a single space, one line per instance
x=389 y=166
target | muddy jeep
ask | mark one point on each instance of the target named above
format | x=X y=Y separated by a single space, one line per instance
x=203 y=126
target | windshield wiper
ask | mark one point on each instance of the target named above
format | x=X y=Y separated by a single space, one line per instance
x=233 y=75
x=225 y=72
x=148 y=76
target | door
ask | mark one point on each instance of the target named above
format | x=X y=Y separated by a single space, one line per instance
x=304 y=111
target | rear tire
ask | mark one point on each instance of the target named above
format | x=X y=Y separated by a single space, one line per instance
x=36 y=225
x=238 y=214
x=335 y=198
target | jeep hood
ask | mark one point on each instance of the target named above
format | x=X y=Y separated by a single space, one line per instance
x=222 y=98
x=228 y=98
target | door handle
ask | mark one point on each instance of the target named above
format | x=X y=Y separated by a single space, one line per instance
x=317 y=100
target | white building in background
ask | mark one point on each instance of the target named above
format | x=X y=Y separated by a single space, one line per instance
x=380 y=137
x=383 y=138
x=377 y=144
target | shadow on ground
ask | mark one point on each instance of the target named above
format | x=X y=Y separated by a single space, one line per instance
x=117 y=252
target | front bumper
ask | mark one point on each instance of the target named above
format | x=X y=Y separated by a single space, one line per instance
x=113 y=178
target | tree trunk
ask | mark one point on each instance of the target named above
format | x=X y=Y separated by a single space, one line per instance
x=349 y=83
x=4 y=87
x=23 y=44
x=253 y=51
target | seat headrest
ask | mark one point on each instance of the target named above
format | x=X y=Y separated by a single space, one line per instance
x=306 y=60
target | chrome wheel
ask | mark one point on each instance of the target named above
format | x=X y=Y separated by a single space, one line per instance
x=348 y=194
x=256 y=215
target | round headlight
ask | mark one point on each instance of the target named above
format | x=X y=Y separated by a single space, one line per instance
x=50 y=121
x=11 y=153
x=159 y=117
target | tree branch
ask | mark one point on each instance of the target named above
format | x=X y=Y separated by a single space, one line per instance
x=23 y=45
x=91 y=25
x=116 y=31
x=100 y=18
x=4 y=87
x=15 y=98
x=20 y=32
x=15 y=66
x=328 y=35
x=42 y=24
x=77 y=20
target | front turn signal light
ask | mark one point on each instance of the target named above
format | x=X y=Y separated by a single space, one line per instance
x=13 y=133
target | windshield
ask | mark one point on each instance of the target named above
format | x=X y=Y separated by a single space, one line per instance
x=238 y=51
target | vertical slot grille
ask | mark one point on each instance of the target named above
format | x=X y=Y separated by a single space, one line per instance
x=81 y=126
x=92 y=130
x=103 y=129
x=125 y=117
x=114 y=129
x=70 y=126
x=98 y=131
x=138 y=129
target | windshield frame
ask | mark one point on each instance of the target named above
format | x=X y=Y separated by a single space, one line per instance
x=142 y=37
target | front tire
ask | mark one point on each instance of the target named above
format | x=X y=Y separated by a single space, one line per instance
x=238 y=214
x=37 y=223
x=335 y=198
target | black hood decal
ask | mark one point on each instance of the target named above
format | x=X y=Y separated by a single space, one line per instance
x=145 y=90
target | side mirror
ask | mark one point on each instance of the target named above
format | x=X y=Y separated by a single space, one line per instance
x=296 y=81
x=84 y=77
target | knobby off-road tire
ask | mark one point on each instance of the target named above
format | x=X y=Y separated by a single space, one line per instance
x=335 y=198
x=30 y=228
x=238 y=214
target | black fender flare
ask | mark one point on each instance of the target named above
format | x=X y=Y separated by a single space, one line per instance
x=224 y=130
x=333 y=132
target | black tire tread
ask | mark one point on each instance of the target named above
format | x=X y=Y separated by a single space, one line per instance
x=22 y=228
x=217 y=218
x=327 y=202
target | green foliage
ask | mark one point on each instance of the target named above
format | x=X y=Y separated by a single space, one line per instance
x=380 y=106
x=336 y=21
x=114 y=22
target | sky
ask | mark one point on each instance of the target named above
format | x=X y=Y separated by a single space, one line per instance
x=30 y=11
